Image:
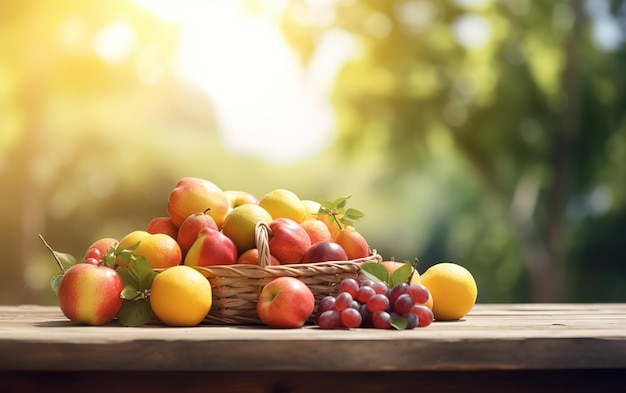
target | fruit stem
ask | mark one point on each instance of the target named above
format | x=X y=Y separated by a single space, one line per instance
x=52 y=252
x=334 y=216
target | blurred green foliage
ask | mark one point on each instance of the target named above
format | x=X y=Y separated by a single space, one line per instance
x=506 y=155
x=529 y=98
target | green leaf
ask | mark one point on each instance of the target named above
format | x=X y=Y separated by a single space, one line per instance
x=109 y=259
x=375 y=271
x=401 y=274
x=337 y=210
x=65 y=261
x=398 y=322
x=130 y=293
x=135 y=312
x=123 y=272
x=341 y=203
x=54 y=283
x=326 y=205
x=137 y=277
x=354 y=214
x=141 y=273
x=126 y=255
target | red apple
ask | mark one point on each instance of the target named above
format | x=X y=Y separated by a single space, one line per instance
x=162 y=225
x=288 y=241
x=285 y=302
x=324 y=252
x=211 y=247
x=191 y=226
x=251 y=257
x=192 y=195
x=90 y=294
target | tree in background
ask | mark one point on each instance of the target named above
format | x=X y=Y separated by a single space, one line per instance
x=527 y=98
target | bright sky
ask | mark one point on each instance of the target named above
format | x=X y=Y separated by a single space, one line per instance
x=267 y=105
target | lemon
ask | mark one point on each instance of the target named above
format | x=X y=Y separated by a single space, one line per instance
x=311 y=208
x=181 y=296
x=240 y=224
x=281 y=203
x=452 y=288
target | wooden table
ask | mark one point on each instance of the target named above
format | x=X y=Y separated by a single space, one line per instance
x=497 y=347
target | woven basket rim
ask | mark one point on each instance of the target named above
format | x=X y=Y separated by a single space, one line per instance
x=374 y=256
x=295 y=269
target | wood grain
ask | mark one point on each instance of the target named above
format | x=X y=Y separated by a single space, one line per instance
x=492 y=337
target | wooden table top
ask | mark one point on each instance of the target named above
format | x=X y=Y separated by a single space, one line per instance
x=490 y=337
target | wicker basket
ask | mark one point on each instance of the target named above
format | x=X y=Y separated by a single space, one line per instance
x=236 y=288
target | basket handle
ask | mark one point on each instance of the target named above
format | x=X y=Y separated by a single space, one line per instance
x=261 y=232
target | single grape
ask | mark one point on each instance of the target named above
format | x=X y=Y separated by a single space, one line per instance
x=380 y=320
x=403 y=304
x=419 y=293
x=349 y=285
x=366 y=282
x=397 y=290
x=412 y=320
x=343 y=301
x=351 y=318
x=355 y=304
x=380 y=287
x=378 y=302
x=327 y=303
x=364 y=294
x=330 y=319
x=93 y=253
x=424 y=315
x=366 y=315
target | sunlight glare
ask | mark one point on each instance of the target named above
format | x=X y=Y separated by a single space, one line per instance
x=472 y=30
x=265 y=102
x=115 y=42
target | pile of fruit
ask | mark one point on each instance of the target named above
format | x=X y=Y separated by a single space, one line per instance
x=152 y=272
x=391 y=295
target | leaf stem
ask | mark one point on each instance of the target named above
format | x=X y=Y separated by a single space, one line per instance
x=52 y=252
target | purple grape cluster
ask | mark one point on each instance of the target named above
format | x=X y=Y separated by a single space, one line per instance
x=367 y=303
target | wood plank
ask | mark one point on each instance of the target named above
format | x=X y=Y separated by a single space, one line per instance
x=491 y=337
